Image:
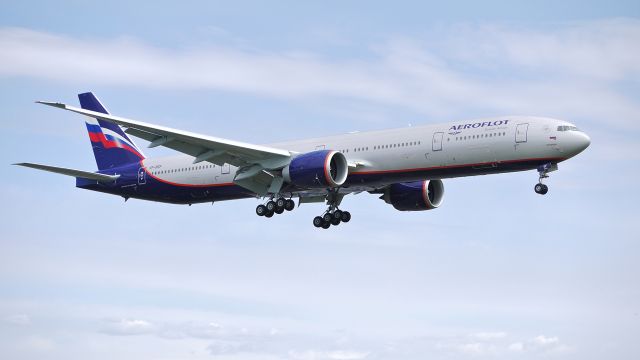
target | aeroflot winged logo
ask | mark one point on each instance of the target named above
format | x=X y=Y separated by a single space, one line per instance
x=456 y=129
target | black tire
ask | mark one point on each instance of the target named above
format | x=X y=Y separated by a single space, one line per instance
x=317 y=221
x=538 y=188
x=335 y=221
x=261 y=210
x=280 y=203
x=327 y=217
x=337 y=214
x=268 y=214
x=346 y=216
x=278 y=210
x=271 y=205
x=545 y=189
x=326 y=225
x=289 y=205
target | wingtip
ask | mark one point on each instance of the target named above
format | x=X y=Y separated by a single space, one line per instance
x=51 y=103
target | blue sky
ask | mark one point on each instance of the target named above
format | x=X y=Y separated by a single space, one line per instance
x=497 y=272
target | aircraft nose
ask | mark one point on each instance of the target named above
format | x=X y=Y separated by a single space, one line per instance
x=584 y=141
x=579 y=141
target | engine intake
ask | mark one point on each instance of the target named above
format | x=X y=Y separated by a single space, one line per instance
x=317 y=169
x=415 y=195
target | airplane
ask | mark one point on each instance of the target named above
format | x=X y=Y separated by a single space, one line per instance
x=404 y=166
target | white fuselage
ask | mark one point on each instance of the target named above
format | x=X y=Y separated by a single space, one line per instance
x=478 y=144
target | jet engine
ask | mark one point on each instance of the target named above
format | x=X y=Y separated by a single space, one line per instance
x=317 y=169
x=415 y=195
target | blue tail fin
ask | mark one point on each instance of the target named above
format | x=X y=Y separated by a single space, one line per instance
x=111 y=146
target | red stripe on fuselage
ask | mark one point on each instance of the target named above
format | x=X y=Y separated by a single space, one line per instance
x=182 y=185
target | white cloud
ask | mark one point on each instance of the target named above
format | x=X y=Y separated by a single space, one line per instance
x=569 y=71
x=517 y=347
x=473 y=348
x=18 y=319
x=327 y=355
x=38 y=344
x=540 y=344
x=598 y=49
x=221 y=347
x=487 y=344
x=127 y=327
x=347 y=355
x=490 y=335
x=545 y=341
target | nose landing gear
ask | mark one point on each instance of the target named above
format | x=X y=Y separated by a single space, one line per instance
x=541 y=188
x=543 y=170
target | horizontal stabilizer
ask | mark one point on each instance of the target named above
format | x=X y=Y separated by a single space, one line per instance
x=72 y=172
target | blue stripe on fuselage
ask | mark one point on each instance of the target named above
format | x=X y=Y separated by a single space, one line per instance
x=127 y=185
x=155 y=190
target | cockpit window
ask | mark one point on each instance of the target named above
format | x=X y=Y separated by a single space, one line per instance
x=567 y=128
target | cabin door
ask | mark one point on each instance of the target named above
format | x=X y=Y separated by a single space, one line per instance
x=521 y=133
x=437 y=141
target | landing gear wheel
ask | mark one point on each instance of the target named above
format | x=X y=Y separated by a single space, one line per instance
x=278 y=210
x=280 y=203
x=541 y=189
x=327 y=217
x=346 y=216
x=335 y=221
x=271 y=206
x=545 y=189
x=337 y=215
x=326 y=225
x=261 y=210
x=268 y=214
x=317 y=221
x=289 y=205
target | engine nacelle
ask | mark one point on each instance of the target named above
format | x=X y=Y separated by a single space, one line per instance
x=317 y=169
x=415 y=195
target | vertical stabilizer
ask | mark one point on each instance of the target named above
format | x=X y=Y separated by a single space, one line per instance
x=111 y=146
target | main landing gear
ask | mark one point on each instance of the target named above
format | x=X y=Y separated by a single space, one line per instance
x=543 y=170
x=275 y=207
x=331 y=217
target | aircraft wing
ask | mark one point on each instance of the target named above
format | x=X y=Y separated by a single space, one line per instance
x=204 y=148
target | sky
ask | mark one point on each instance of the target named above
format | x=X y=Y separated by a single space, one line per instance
x=497 y=272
